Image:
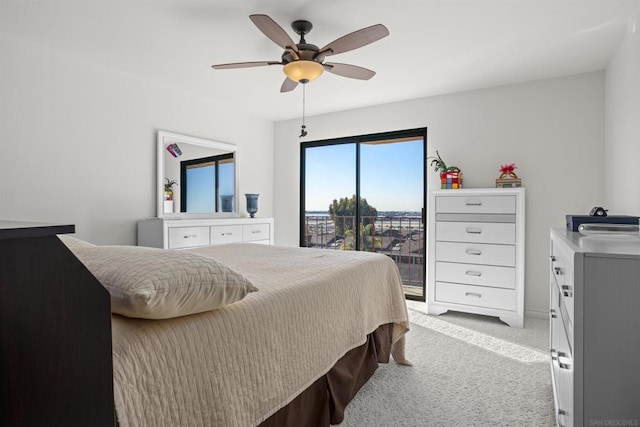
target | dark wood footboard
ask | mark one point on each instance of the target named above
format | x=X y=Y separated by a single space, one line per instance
x=55 y=327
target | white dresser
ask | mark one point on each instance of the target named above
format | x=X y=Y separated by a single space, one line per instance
x=191 y=233
x=595 y=329
x=476 y=252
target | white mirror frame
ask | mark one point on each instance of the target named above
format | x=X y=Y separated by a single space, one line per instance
x=164 y=138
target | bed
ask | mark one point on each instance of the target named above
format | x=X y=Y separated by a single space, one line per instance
x=293 y=350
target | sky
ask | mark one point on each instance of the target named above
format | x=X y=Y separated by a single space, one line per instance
x=391 y=175
x=201 y=180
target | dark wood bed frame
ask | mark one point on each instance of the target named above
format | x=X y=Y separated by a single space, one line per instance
x=56 y=354
x=55 y=325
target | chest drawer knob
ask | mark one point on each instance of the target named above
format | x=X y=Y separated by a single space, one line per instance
x=473 y=294
x=473 y=252
x=564 y=361
x=473 y=273
x=558 y=271
x=553 y=258
x=189 y=236
x=567 y=291
x=552 y=313
x=471 y=230
x=561 y=415
x=473 y=203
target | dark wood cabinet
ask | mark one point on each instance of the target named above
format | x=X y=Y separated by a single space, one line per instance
x=55 y=327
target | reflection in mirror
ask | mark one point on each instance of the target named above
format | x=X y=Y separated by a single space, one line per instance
x=204 y=173
x=199 y=175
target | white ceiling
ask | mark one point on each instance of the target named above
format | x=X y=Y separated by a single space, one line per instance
x=434 y=47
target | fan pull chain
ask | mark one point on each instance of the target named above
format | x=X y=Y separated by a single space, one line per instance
x=303 y=131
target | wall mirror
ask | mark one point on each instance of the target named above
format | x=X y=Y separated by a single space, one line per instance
x=197 y=177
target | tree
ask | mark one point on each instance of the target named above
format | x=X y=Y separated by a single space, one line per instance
x=343 y=213
x=368 y=241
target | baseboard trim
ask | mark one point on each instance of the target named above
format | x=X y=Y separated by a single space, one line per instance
x=539 y=314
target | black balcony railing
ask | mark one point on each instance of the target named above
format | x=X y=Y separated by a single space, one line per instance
x=400 y=237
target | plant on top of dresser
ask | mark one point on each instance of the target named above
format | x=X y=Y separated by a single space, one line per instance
x=450 y=176
x=168 y=188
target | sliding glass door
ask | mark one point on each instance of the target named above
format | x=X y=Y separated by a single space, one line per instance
x=367 y=193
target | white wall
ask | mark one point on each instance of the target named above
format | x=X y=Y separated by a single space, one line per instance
x=78 y=142
x=552 y=129
x=623 y=125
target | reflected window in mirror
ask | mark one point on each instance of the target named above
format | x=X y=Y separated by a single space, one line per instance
x=207 y=184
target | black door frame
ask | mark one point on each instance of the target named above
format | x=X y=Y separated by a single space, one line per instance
x=357 y=140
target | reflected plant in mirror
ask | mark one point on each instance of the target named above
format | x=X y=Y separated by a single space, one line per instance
x=168 y=195
x=206 y=172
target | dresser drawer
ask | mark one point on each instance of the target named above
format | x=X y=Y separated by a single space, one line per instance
x=476 y=253
x=562 y=276
x=476 y=232
x=188 y=237
x=476 y=204
x=252 y=232
x=221 y=234
x=562 y=370
x=502 y=299
x=475 y=274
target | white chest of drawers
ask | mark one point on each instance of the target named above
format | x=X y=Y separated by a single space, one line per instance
x=191 y=233
x=476 y=253
x=594 y=329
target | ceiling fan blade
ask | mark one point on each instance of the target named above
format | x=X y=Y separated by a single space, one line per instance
x=244 y=64
x=288 y=85
x=274 y=31
x=347 y=70
x=355 y=40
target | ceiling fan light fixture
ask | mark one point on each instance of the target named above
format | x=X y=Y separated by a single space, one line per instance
x=303 y=71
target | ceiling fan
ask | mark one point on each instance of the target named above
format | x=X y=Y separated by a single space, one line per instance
x=304 y=62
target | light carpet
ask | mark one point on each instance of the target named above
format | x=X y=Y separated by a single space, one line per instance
x=467 y=370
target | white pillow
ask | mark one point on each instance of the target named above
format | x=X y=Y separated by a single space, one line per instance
x=152 y=283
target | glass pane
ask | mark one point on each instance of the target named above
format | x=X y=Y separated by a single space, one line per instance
x=226 y=175
x=392 y=197
x=330 y=187
x=201 y=196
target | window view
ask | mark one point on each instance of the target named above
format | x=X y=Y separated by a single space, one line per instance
x=330 y=174
x=368 y=194
x=201 y=179
x=206 y=182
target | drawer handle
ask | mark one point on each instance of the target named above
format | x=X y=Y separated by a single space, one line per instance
x=561 y=413
x=473 y=273
x=553 y=354
x=553 y=258
x=567 y=291
x=256 y=232
x=473 y=252
x=474 y=231
x=189 y=236
x=564 y=361
x=552 y=312
x=558 y=271
x=473 y=294
x=227 y=234
x=473 y=203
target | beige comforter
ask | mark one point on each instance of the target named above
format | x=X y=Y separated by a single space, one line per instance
x=237 y=365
